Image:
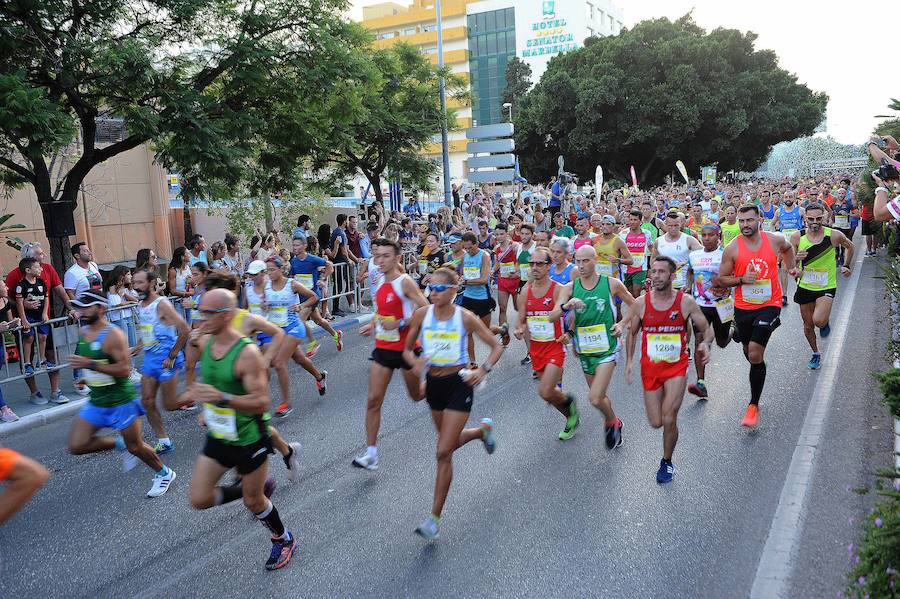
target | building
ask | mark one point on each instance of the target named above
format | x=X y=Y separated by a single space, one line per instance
x=480 y=37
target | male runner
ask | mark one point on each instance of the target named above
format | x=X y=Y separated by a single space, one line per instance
x=639 y=242
x=715 y=302
x=396 y=299
x=506 y=269
x=751 y=265
x=788 y=220
x=305 y=270
x=163 y=335
x=592 y=298
x=443 y=329
x=548 y=355
x=663 y=315
x=611 y=250
x=23 y=477
x=102 y=354
x=234 y=395
x=817 y=284
x=476 y=278
x=582 y=233
x=677 y=245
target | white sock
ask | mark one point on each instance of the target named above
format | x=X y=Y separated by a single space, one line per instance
x=372 y=451
x=165 y=441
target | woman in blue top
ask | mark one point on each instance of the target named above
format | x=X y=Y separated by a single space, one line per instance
x=476 y=268
x=561 y=269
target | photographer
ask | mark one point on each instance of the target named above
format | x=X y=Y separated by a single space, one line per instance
x=887 y=176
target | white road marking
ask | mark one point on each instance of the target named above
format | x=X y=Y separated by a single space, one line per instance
x=777 y=560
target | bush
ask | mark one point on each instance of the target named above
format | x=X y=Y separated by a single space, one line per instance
x=877 y=563
x=890 y=388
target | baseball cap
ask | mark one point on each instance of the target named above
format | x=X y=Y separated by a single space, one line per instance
x=256 y=267
x=90 y=298
x=608 y=218
x=454 y=239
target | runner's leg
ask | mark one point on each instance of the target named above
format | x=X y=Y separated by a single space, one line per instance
x=673 y=395
x=809 y=329
x=203 y=493
x=379 y=379
x=136 y=446
x=149 y=387
x=822 y=311
x=451 y=436
x=547 y=390
x=598 y=385
x=83 y=439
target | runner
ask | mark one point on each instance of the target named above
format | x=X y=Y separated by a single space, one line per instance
x=102 y=354
x=818 y=275
x=396 y=299
x=730 y=227
x=663 y=314
x=443 y=328
x=548 y=354
x=23 y=477
x=639 y=242
x=235 y=396
x=611 y=250
x=789 y=220
x=163 y=335
x=507 y=272
x=582 y=233
x=751 y=265
x=677 y=245
x=592 y=297
x=476 y=291
x=305 y=270
x=715 y=303
x=198 y=276
x=561 y=270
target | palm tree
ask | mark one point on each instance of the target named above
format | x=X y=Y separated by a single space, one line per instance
x=11 y=241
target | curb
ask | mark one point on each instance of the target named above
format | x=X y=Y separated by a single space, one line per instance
x=48 y=415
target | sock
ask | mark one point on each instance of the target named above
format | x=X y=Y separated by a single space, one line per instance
x=757 y=380
x=271 y=520
x=435 y=519
x=230 y=493
x=163 y=471
x=701 y=382
x=372 y=451
x=815 y=353
x=120 y=443
x=287 y=457
x=165 y=440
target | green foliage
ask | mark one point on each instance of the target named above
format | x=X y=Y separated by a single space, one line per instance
x=11 y=241
x=518 y=81
x=657 y=93
x=890 y=388
x=876 y=573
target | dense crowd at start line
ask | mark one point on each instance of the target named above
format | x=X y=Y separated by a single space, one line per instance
x=675 y=270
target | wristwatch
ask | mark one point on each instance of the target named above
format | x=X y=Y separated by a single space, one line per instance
x=226 y=398
x=486 y=367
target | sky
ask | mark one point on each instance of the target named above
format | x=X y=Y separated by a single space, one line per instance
x=831 y=46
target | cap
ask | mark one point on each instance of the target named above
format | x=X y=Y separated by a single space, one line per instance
x=90 y=298
x=608 y=218
x=454 y=239
x=256 y=267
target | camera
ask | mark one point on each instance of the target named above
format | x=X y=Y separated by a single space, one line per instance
x=886 y=172
x=567 y=178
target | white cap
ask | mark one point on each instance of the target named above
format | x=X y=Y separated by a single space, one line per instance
x=256 y=267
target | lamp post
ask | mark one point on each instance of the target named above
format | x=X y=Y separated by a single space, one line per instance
x=508 y=106
x=445 y=150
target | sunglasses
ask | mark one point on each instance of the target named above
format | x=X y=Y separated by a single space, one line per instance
x=539 y=263
x=213 y=312
x=439 y=287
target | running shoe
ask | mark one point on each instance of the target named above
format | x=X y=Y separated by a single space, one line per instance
x=429 y=528
x=815 y=362
x=698 y=389
x=751 y=417
x=188 y=407
x=504 y=334
x=134 y=377
x=163 y=448
x=284 y=408
x=339 y=340
x=572 y=421
x=38 y=399
x=82 y=389
x=29 y=369
x=666 y=472
x=49 y=365
x=826 y=330
x=282 y=551
x=784 y=301
x=525 y=360
x=320 y=384
x=734 y=333
x=58 y=398
x=7 y=415
x=161 y=483
x=269 y=486
x=292 y=462
x=487 y=435
x=312 y=348
x=614 y=434
x=535 y=375
x=366 y=461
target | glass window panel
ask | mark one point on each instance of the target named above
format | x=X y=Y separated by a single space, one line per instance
x=491 y=43
x=490 y=21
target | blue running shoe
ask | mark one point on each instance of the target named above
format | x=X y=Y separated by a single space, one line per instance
x=429 y=529
x=163 y=448
x=282 y=551
x=487 y=435
x=666 y=472
x=826 y=330
x=815 y=362
x=29 y=369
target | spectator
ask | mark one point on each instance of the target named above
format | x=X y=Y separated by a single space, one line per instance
x=179 y=277
x=84 y=274
x=7 y=322
x=412 y=208
x=339 y=253
x=233 y=259
x=217 y=255
x=365 y=244
x=115 y=289
x=555 y=197
x=197 y=247
x=33 y=288
x=353 y=237
x=267 y=248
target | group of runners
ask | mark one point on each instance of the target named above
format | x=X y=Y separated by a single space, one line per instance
x=649 y=275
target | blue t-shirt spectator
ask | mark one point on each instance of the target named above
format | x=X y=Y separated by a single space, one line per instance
x=339 y=256
x=302 y=270
x=365 y=247
x=413 y=208
x=554 y=191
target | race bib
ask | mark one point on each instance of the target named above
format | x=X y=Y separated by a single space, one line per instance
x=442 y=347
x=637 y=260
x=842 y=221
x=256 y=309
x=524 y=271
x=423 y=267
x=278 y=315
x=507 y=269
x=680 y=278
x=305 y=279
x=725 y=309
x=767 y=225
x=470 y=273
x=384 y=335
x=220 y=422
x=605 y=270
x=593 y=339
x=97 y=379
x=147 y=335
x=788 y=233
x=664 y=347
x=540 y=328
x=815 y=277
x=757 y=293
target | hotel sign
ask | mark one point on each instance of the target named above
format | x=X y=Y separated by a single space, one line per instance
x=550 y=35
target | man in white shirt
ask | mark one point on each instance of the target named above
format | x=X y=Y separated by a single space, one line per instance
x=84 y=274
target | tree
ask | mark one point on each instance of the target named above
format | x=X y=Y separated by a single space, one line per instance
x=398 y=115
x=795 y=158
x=192 y=76
x=657 y=93
x=518 y=81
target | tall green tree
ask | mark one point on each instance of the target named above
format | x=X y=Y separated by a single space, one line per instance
x=398 y=116
x=191 y=76
x=658 y=93
x=518 y=81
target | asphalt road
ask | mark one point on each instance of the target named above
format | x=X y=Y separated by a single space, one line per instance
x=539 y=518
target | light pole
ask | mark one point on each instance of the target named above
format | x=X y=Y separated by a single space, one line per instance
x=445 y=150
x=508 y=106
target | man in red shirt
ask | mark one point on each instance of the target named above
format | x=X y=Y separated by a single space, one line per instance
x=54 y=283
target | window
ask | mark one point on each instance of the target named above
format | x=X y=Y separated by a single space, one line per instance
x=409 y=31
x=429 y=50
x=590 y=11
x=601 y=19
x=431 y=27
x=612 y=23
x=387 y=35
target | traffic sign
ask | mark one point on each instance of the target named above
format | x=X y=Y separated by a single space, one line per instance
x=494 y=145
x=503 y=175
x=496 y=160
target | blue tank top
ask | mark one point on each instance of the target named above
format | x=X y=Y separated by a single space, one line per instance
x=564 y=277
x=472 y=270
x=790 y=221
x=767 y=214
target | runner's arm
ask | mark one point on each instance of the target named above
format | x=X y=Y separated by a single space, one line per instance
x=776 y=218
x=726 y=277
x=839 y=239
x=25 y=478
x=619 y=290
x=476 y=326
x=788 y=257
x=523 y=314
x=415 y=324
x=311 y=298
x=261 y=325
x=168 y=316
x=565 y=294
x=690 y=310
x=191 y=357
x=413 y=293
x=116 y=345
x=623 y=255
x=250 y=369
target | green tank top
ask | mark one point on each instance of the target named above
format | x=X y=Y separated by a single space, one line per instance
x=226 y=424
x=106 y=391
x=593 y=324
x=820 y=272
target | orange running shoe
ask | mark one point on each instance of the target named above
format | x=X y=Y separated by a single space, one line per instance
x=751 y=418
x=283 y=409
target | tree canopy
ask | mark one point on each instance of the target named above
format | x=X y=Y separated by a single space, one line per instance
x=518 y=81
x=660 y=92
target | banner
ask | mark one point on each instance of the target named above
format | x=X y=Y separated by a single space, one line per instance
x=633 y=177
x=598 y=181
x=681 y=169
x=708 y=175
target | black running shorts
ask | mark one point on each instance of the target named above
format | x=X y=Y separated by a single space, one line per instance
x=244 y=458
x=757 y=325
x=806 y=296
x=448 y=393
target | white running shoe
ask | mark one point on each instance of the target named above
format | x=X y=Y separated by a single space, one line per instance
x=83 y=390
x=7 y=415
x=59 y=398
x=366 y=461
x=135 y=377
x=293 y=462
x=161 y=483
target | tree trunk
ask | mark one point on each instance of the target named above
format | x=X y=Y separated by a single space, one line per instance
x=186 y=221
x=375 y=182
x=269 y=210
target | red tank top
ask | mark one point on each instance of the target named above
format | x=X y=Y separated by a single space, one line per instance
x=637 y=245
x=507 y=257
x=766 y=291
x=392 y=304
x=536 y=310
x=663 y=342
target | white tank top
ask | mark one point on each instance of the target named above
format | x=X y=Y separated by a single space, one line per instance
x=375 y=277
x=255 y=300
x=155 y=335
x=181 y=277
x=679 y=252
x=280 y=303
x=444 y=341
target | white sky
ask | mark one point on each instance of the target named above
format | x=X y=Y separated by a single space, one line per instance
x=831 y=46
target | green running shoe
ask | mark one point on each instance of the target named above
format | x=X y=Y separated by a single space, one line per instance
x=572 y=421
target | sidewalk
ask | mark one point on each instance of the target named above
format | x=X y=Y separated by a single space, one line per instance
x=30 y=416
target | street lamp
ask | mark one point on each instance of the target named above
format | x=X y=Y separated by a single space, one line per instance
x=508 y=106
x=445 y=149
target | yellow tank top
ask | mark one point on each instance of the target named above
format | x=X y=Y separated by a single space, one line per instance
x=237 y=321
x=605 y=251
